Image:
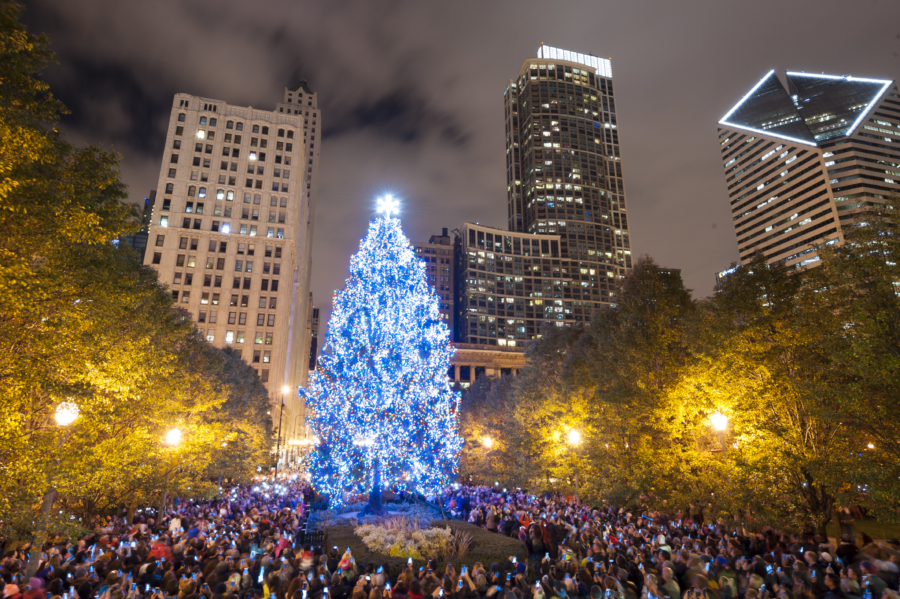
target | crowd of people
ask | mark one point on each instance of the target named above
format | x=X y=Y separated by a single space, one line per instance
x=246 y=545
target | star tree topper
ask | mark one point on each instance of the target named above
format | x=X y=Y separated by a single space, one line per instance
x=388 y=205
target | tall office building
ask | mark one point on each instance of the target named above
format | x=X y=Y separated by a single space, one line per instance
x=139 y=240
x=564 y=170
x=438 y=256
x=510 y=284
x=313 y=339
x=804 y=160
x=568 y=230
x=232 y=231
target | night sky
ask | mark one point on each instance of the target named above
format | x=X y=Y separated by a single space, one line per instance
x=411 y=95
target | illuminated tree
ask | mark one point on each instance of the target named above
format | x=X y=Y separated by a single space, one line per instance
x=84 y=322
x=384 y=412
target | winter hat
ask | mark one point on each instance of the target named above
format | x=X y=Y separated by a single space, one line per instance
x=10 y=590
x=36 y=584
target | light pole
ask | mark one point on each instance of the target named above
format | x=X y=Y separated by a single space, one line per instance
x=66 y=413
x=720 y=423
x=574 y=439
x=173 y=438
x=488 y=444
x=284 y=392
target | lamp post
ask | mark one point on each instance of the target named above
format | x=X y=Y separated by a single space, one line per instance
x=488 y=443
x=720 y=424
x=66 y=413
x=574 y=439
x=173 y=438
x=284 y=392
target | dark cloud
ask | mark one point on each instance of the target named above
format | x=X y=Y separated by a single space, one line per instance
x=412 y=95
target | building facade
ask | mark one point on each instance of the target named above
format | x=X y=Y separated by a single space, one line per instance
x=438 y=257
x=564 y=170
x=511 y=284
x=313 y=339
x=804 y=158
x=139 y=240
x=471 y=362
x=232 y=229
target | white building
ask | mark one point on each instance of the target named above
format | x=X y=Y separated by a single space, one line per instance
x=232 y=231
x=803 y=160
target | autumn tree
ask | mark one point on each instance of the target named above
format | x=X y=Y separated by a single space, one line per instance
x=84 y=322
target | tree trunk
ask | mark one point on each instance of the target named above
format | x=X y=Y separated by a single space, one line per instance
x=129 y=518
x=374 y=507
x=40 y=535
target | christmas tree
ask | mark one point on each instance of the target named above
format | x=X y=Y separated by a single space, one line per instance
x=383 y=409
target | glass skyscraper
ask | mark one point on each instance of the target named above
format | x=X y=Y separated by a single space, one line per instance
x=567 y=241
x=564 y=170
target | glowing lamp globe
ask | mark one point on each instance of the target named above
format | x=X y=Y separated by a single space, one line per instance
x=574 y=437
x=487 y=442
x=66 y=413
x=719 y=421
x=173 y=437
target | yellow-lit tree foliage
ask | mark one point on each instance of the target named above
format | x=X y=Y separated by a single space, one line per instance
x=82 y=321
x=804 y=368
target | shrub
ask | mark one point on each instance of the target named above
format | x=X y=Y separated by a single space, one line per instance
x=402 y=536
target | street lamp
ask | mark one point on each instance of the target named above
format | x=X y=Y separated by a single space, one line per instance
x=488 y=444
x=574 y=439
x=284 y=391
x=719 y=422
x=173 y=438
x=66 y=413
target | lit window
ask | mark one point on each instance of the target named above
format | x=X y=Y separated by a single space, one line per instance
x=163 y=221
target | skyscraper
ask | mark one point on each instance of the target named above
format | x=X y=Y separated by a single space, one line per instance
x=232 y=230
x=564 y=168
x=568 y=230
x=804 y=160
x=438 y=256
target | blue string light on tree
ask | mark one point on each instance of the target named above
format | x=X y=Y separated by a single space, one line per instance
x=383 y=409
